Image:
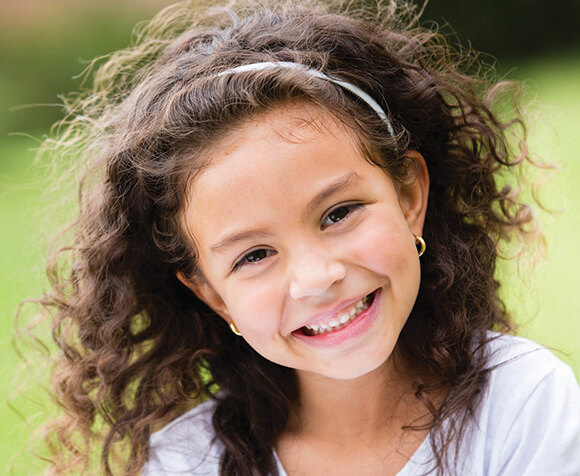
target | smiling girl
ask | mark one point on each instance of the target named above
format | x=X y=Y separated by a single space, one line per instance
x=287 y=251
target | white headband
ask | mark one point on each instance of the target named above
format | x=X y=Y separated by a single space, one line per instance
x=313 y=72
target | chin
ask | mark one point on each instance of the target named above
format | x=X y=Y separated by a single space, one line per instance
x=356 y=369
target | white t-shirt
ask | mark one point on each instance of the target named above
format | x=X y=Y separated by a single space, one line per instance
x=528 y=424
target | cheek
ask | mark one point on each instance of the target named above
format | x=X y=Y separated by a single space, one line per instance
x=385 y=247
x=253 y=305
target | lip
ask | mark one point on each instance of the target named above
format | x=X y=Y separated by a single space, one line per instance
x=334 y=312
x=355 y=328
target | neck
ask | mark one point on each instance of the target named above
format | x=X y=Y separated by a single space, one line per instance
x=364 y=409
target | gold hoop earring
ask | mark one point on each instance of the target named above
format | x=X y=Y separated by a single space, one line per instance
x=234 y=329
x=420 y=244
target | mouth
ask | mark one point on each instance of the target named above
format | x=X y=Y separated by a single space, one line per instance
x=339 y=321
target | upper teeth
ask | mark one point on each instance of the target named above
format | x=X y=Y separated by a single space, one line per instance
x=341 y=320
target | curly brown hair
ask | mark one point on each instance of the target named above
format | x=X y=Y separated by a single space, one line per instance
x=137 y=347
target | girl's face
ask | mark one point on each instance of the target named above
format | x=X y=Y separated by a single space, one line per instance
x=306 y=246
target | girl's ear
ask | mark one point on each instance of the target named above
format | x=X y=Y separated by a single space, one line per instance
x=414 y=194
x=203 y=290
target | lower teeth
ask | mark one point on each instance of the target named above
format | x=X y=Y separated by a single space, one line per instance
x=366 y=304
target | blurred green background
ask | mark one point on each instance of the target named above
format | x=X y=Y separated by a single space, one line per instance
x=45 y=44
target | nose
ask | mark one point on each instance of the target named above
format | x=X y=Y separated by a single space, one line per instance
x=314 y=275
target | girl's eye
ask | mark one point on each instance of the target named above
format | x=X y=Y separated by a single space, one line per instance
x=253 y=256
x=339 y=213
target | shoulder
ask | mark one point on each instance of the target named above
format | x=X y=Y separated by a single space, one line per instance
x=523 y=372
x=509 y=353
x=530 y=415
x=187 y=445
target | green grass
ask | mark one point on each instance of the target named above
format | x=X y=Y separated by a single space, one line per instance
x=548 y=306
x=546 y=301
x=20 y=278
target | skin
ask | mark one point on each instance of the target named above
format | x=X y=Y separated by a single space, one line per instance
x=292 y=261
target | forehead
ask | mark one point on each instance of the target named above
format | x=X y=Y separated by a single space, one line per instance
x=278 y=144
x=268 y=168
x=298 y=122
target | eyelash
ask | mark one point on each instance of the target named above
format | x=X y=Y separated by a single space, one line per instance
x=350 y=207
x=243 y=260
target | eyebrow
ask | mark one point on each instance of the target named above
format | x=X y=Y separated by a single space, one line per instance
x=236 y=237
x=337 y=186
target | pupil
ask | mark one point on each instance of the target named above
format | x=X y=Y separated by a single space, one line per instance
x=338 y=214
x=256 y=255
